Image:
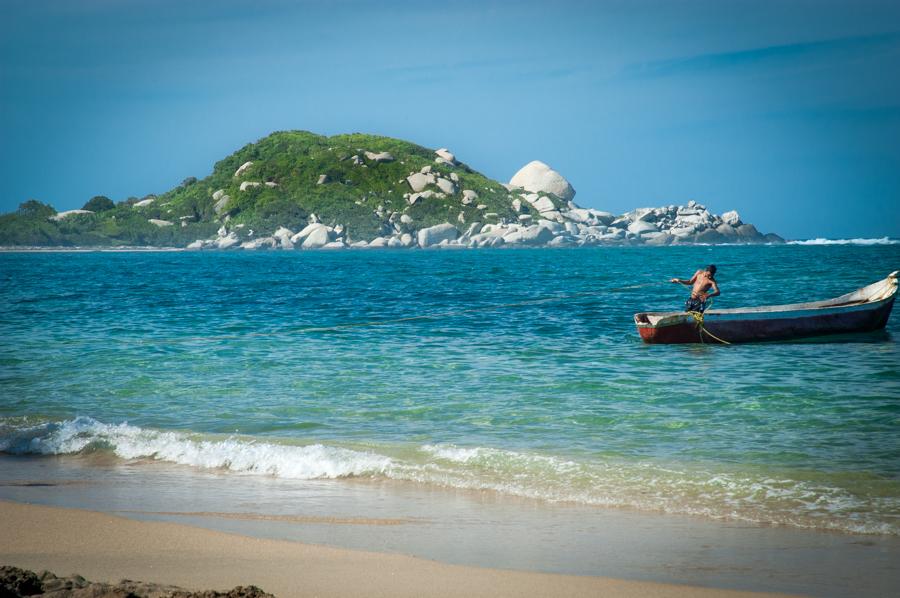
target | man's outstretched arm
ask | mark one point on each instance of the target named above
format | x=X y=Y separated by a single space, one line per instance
x=686 y=282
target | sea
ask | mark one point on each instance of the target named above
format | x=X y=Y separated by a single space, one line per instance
x=500 y=390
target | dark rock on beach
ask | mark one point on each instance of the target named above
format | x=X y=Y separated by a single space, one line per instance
x=18 y=583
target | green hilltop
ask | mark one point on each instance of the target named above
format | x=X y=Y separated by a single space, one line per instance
x=356 y=181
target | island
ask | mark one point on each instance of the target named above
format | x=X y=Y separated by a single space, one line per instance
x=300 y=190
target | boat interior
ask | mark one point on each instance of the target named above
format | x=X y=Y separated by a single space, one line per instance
x=876 y=292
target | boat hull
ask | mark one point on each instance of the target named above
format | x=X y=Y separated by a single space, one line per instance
x=768 y=329
x=864 y=310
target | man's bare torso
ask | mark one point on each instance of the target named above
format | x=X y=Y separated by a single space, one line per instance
x=703 y=282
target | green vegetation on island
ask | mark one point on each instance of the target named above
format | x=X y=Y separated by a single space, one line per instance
x=295 y=189
x=294 y=176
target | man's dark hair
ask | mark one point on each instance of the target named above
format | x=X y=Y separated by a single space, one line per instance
x=711 y=269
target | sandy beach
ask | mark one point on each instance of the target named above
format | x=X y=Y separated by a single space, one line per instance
x=108 y=548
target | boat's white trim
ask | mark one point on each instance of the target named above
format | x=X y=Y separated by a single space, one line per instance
x=864 y=299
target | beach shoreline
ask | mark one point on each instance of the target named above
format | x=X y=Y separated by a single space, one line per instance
x=105 y=547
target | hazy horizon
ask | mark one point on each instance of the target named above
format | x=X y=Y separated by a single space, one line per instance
x=788 y=112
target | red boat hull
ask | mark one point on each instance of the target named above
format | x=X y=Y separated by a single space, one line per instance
x=771 y=329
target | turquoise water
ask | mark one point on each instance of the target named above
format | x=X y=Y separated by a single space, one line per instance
x=220 y=361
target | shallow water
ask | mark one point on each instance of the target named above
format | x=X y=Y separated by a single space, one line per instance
x=207 y=360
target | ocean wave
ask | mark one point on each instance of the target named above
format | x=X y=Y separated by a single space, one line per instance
x=745 y=495
x=821 y=241
x=83 y=434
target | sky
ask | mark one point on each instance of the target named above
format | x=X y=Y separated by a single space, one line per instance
x=786 y=111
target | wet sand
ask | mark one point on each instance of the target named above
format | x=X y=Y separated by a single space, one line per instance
x=108 y=548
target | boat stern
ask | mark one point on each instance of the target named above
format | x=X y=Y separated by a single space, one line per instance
x=666 y=328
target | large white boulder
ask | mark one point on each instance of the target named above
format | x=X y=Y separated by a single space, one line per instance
x=731 y=218
x=143 y=203
x=261 y=243
x=243 y=168
x=159 y=223
x=307 y=230
x=317 y=238
x=414 y=197
x=229 y=240
x=60 y=215
x=537 y=177
x=283 y=236
x=544 y=204
x=532 y=235
x=433 y=235
x=247 y=184
x=555 y=227
x=446 y=185
x=446 y=155
x=379 y=157
x=220 y=203
x=419 y=181
x=641 y=227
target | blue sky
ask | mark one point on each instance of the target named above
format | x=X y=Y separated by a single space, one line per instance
x=787 y=111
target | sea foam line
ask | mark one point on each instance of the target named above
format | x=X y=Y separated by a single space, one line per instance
x=644 y=485
x=313 y=461
x=822 y=241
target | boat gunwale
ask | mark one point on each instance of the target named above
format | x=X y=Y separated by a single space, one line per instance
x=789 y=310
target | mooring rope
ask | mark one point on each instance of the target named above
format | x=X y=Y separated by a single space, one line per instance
x=698 y=320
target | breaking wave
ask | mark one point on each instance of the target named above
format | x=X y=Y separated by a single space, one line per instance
x=821 y=241
x=85 y=434
x=848 y=503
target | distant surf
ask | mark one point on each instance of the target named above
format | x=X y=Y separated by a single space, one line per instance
x=751 y=495
x=822 y=241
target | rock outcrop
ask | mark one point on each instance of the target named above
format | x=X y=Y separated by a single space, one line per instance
x=62 y=215
x=537 y=177
x=20 y=583
x=435 y=235
x=242 y=169
x=379 y=157
x=549 y=225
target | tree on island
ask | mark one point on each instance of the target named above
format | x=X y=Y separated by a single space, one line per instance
x=35 y=209
x=99 y=203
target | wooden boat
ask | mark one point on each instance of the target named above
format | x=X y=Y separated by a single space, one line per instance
x=864 y=310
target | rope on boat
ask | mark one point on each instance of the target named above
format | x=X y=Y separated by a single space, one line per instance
x=698 y=320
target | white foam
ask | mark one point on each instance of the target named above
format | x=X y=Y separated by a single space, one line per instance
x=312 y=461
x=646 y=485
x=821 y=241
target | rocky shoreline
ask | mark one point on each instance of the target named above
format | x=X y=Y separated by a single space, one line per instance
x=546 y=216
x=20 y=583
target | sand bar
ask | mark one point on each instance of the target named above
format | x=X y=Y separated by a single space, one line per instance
x=108 y=548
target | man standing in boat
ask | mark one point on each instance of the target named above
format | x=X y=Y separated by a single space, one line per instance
x=703 y=281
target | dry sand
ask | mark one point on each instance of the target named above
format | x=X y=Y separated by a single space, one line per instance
x=108 y=548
